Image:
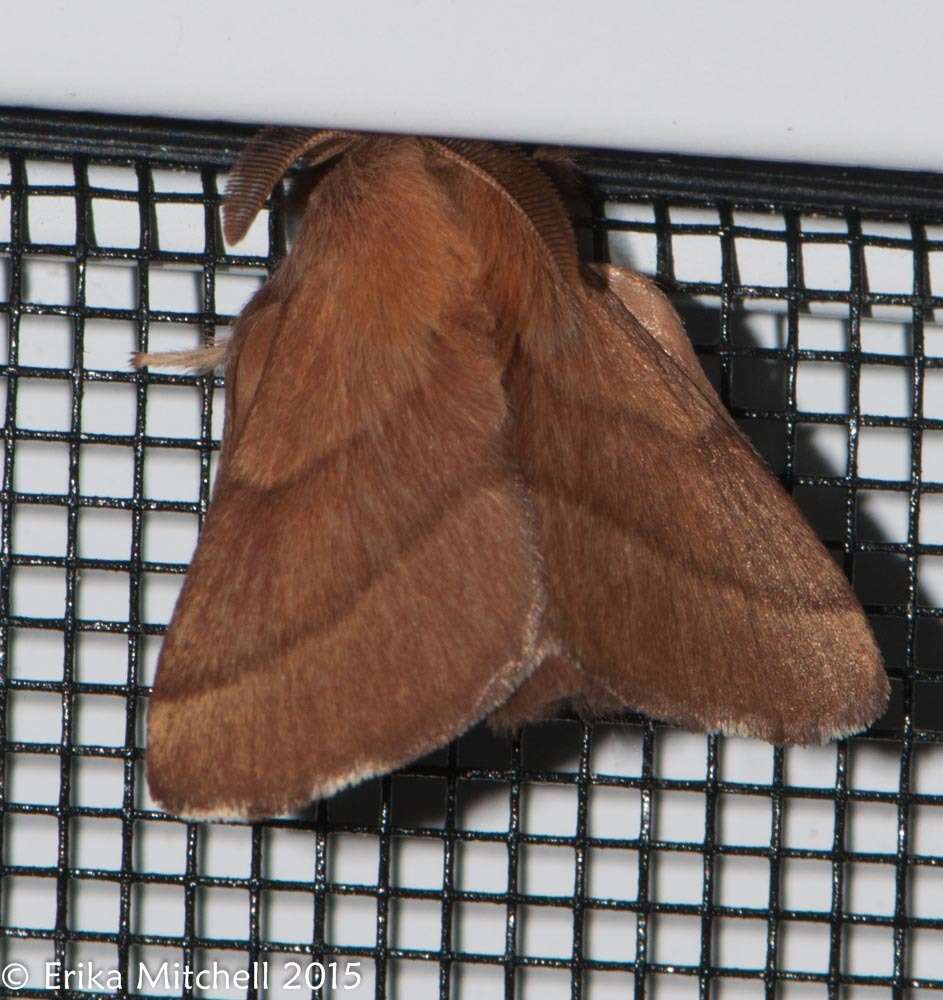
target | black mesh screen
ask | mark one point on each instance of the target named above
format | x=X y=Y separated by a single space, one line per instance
x=621 y=859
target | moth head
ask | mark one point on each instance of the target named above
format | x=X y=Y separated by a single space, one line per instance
x=512 y=175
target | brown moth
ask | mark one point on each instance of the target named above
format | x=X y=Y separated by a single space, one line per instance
x=463 y=475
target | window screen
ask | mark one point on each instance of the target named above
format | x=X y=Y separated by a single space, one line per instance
x=596 y=861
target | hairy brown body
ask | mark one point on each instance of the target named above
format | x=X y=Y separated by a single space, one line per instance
x=453 y=458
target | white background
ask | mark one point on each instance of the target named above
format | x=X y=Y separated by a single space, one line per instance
x=849 y=81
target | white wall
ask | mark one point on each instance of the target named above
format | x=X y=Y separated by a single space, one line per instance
x=850 y=81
